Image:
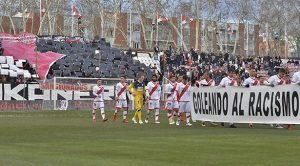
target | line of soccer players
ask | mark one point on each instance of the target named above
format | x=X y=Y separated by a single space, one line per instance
x=177 y=95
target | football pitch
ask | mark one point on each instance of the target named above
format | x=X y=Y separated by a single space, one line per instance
x=70 y=138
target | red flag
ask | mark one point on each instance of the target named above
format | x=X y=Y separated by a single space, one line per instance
x=75 y=11
x=20 y=49
x=160 y=18
x=183 y=19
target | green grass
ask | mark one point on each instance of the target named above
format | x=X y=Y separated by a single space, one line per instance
x=70 y=138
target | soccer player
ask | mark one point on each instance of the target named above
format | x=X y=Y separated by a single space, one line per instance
x=98 y=92
x=296 y=78
x=180 y=115
x=229 y=81
x=121 y=98
x=137 y=89
x=171 y=105
x=207 y=80
x=251 y=81
x=153 y=92
x=296 y=81
x=278 y=79
x=184 y=92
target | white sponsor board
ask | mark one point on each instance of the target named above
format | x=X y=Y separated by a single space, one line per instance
x=33 y=92
x=260 y=104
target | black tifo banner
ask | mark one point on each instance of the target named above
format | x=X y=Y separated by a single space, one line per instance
x=30 y=96
x=260 y=104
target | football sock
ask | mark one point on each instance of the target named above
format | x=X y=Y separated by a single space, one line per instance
x=188 y=117
x=139 y=114
x=102 y=113
x=94 y=114
x=169 y=115
x=156 y=114
x=147 y=114
x=124 y=114
x=116 y=112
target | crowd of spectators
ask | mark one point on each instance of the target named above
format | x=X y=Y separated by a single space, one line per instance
x=194 y=64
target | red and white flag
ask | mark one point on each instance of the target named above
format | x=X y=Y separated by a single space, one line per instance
x=160 y=18
x=75 y=11
x=229 y=29
x=183 y=19
x=22 y=46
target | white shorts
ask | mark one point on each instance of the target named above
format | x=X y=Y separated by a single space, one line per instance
x=98 y=104
x=121 y=104
x=170 y=105
x=184 y=106
x=153 y=104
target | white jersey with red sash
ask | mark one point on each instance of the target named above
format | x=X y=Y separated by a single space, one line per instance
x=121 y=91
x=198 y=83
x=177 y=87
x=183 y=92
x=296 y=78
x=275 y=80
x=183 y=96
x=251 y=81
x=153 y=90
x=171 y=96
x=98 y=92
x=228 y=81
x=204 y=82
x=170 y=90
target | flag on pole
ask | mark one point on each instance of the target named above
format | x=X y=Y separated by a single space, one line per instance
x=42 y=7
x=75 y=11
x=229 y=29
x=160 y=18
x=183 y=19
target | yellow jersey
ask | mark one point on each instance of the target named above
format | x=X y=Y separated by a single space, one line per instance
x=139 y=88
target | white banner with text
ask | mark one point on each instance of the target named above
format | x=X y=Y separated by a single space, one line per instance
x=260 y=104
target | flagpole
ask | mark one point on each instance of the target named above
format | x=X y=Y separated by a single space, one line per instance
x=247 y=40
x=181 y=36
x=156 y=28
x=102 y=23
x=203 y=36
x=267 y=37
x=40 y=18
x=130 y=28
x=286 y=41
x=226 y=38
x=72 y=34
